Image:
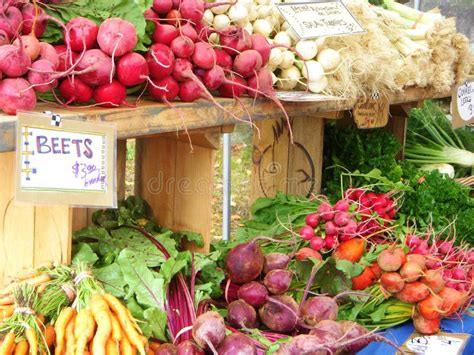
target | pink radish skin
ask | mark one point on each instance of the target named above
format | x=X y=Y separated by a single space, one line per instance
x=164 y=34
x=182 y=47
x=4 y=38
x=223 y=59
x=247 y=63
x=43 y=79
x=254 y=293
x=203 y=31
x=28 y=14
x=261 y=45
x=204 y=56
x=173 y=18
x=160 y=61
x=132 y=69
x=151 y=15
x=182 y=67
x=164 y=90
x=193 y=10
x=12 y=22
x=214 y=78
x=235 y=40
x=48 y=53
x=82 y=33
x=16 y=95
x=75 y=91
x=117 y=37
x=64 y=64
x=97 y=68
x=162 y=7
x=30 y=44
x=190 y=91
x=231 y=90
x=189 y=31
x=110 y=94
x=176 y=4
x=13 y=61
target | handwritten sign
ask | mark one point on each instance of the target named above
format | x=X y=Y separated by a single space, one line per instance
x=371 y=112
x=319 y=19
x=73 y=164
x=303 y=96
x=462 y=104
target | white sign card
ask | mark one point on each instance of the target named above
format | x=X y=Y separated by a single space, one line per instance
x=463 y=103
x=304 y=96
x=320 y=19
x=73 y=164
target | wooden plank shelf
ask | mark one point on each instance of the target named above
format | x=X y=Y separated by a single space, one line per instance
x=150 y=117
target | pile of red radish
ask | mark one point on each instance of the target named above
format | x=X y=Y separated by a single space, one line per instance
x=359 y=214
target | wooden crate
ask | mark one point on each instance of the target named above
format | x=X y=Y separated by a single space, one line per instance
x=176 y=182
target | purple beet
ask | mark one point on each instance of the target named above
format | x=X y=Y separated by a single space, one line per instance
x=278 y=281
x=274 y=261
x=166 y=349
x=279 y=313
x=327 y=332
x=309 y=344
x=241 y=315
x=254 y=293
x=316 y=309
x=244 y=262
x=188 y=347
x=353 y=330
x=237 y=344
x=209 y=330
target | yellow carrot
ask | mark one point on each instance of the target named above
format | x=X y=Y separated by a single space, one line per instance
x=8 y=344
x=111 y=347
x=101 y=313
x=21 y=348
x=66 y=315
x=30 y=335
x=125 y=347
x=6 y=301
x=69 y=338
x=84 y=327
x=126 y=322
x=116 y=331
x=6 y=311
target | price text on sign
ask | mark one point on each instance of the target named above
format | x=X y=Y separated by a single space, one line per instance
x=371 y=112
x=73 y=164
x=312 y=20
x=463 y=103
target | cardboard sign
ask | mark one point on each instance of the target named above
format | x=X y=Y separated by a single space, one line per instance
x=462 y=103
x=65 y=162
x=319 y=19
x=441 y=343
x=371 y=111
x=303 y=96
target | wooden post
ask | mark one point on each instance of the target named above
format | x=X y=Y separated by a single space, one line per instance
x=178 y=183
x=279 y=165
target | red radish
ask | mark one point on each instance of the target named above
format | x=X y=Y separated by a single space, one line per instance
x=193 y=10
x=209 y=330
x=14 y=62
x=64 y=61
x=261 y=45
x=132 y=69
x=247 y=63
x=458 y=274
x=431 y=307
x=82 y=33
x=330 y=242
x=392 y=282
x=188 y=347
x=413 y=292
x=316 y=309
x=279 y=314
x=411 y=271
x=312 y=220
x=160 y=61
x=42 y=79
x=151 y=15
x=253 y=293
x=317 y=243
x=28 y=13
x=389 y=260
x=244 y=262
x=273 y=261
x=426 y=326
x=235 y=40
x=96 y=67
x=48 y=52
x=364 y=280
x=341 y=218
x=341 y=206
x=444 y=246
x=111 y=94
x=182 y=47
x=305 y=253
x=176 y=4
x=190 y=91
x=75 y=91
x=421 y=249
x=11 y=21
x=278 y=281
x=237 y=343
x=164 y=33
x=162 y=7
x=173 y=18
x=204 y=56
x=203 y=31
x=4 y=38
x=16 y=95
x=241 y=315
x=350 y=229
x=231 y=90
x=188 y=30
x=214 y=78
x=307 y=233
x=326 y=211
x=330 y=228
x=164 y=90
x=117 y=37
x=30 y=45
x=182 y=67
x=434 y=280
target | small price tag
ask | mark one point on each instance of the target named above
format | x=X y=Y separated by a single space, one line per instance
x=371 y=111
x=442 y=343
x=72 y=163
x=320 y=19
x=462 y=103
x=304 y=96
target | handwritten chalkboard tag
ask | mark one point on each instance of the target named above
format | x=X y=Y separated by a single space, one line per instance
x=462 y=103
x=65 y=162
x=319 y=19
x=371 y=111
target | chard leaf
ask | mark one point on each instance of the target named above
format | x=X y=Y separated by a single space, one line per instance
x=155 y=323
x=112 y=278
x=83 y=253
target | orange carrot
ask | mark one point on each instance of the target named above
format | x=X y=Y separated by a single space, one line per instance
x=6 y=311
x=84 y=327
x=49 y=335
x=30 y=335
x=100 y=312
x=8 y=344
x=21 y=348
x=111 y=347
x=66 y=316
x=351 y=250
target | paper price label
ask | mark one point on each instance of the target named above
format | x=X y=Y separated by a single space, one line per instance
x=319 y=19
x=371 y=112
x=462 y=104
x=73 y=164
